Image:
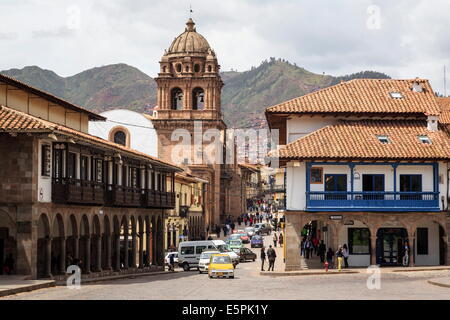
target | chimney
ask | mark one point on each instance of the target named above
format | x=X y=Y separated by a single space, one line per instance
x=417 y=86
x=432 y=123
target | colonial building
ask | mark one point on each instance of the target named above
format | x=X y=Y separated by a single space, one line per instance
x=189 y=212
x=253 y=184
x=187 y=220
x=366 y=165
x=189 y=99
x=67 y=195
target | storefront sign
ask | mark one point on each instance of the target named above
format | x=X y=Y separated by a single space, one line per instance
x=336 y=217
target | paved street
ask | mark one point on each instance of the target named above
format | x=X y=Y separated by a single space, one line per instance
x=249 y=284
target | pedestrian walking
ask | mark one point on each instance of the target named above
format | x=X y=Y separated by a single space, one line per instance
x=340 y=258
x=330 y=255
x=172 y=262
x=321 y=251
x=275 y=239
x=302 y=247
x=406 y=255
x=308 y=245
x=271 y=255
x=346 y=254
x=280 y=239
x=263 y=258
x=315 y=243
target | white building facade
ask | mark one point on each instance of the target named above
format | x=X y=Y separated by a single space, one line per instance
x=367 y=166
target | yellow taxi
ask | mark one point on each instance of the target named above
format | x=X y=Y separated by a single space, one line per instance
x=220 y=265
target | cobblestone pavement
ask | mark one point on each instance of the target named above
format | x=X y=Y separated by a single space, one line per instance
x=248 y=284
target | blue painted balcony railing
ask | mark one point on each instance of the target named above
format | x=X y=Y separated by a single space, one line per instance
x=372 y=201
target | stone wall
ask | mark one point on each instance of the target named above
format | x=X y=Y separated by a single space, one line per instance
x=17 y=169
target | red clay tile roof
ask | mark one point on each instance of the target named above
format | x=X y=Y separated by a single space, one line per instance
x=358 y=140
x=12 y=120
x=444 y=103
x=364 y=96
x=48 y=96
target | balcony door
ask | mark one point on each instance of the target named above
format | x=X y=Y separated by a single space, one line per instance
x=373 y=183
x=335 y=183
x=410 y=183
x=57 y=163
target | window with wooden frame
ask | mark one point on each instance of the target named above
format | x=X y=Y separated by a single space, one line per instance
x=72 y=165
x=316 y=175
x=46 y=159
x=98 y=170
x=84 y=168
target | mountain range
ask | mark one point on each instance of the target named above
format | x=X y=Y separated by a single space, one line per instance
x=244 y=96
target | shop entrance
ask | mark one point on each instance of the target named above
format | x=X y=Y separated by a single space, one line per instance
x=390 y=246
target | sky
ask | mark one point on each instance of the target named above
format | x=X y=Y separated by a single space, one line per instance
x=403 y=38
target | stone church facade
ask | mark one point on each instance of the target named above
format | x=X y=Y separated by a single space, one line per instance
x=189 y=97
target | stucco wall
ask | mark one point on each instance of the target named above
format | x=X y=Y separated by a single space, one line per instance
x=142 y=133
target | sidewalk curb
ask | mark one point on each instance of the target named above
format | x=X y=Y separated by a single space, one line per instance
x=300 y=273
x=439 y=284
x=423 y=269
x=8 y=292
x=118 y=277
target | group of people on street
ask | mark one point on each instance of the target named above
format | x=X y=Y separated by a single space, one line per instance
x=277 y=239
x=340 y=257
x=309 y=246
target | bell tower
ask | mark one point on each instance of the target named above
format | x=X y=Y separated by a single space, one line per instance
x=189 y=83
x=189 y=88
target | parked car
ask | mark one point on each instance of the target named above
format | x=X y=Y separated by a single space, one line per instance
x=189 y=251
x=257 y=242
x=235 y=236
x=250 y=232
x=175 y=258
x=235 y=245
x=233 y=255
x=220 y=265
x=246 y=254
x=205 y=258
x=244 y=237
x=263 y=228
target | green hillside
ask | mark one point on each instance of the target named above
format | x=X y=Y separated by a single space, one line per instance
x=244 y=97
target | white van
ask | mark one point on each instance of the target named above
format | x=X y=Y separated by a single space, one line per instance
x=189 y=251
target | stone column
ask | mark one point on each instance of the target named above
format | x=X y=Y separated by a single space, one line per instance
x=76 y=247
x=141 y=249
x=133 y=250
x=292 y=241
x=48 y=258
x=87 y=262
x=373 y=248
x=411 y=251
x=99 y=254
x=148 y=240
x=117 y=262
x=125 y=246
x=153 y=251
x=62 y=258
x=108 y=251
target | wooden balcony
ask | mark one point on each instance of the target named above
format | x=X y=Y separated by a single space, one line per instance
x=121 y=196
x=75 y=191
x=159 y=199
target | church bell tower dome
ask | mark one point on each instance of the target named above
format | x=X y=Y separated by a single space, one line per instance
x=189 y=42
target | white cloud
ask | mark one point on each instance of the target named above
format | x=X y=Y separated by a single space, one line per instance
x=322 y=36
